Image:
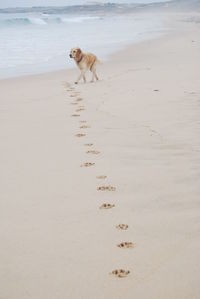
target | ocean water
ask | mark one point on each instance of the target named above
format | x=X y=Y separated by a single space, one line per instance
x=37 y=42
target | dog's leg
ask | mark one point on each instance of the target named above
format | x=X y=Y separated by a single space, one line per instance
x=79 y=78
x=82 y=75
x=84 y=78
x=92 y=80
x=92 y=71
x=94 y=74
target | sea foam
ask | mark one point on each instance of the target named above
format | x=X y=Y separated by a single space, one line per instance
x=39 y=41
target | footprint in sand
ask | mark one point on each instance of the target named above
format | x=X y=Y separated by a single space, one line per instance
x=75 y=115
x=106 y=188
x=74 y=93
x=70 y=89
x=120 y=273
x=80 y=109
x=80 y=135
x=106 y=206
x=122 y=226
x=126 y=245
x=84 y=127
x=87 y=164
x=101 y=177
x=88 y=144
x=93 y=152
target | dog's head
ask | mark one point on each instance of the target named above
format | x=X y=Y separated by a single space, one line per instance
x=75 y=53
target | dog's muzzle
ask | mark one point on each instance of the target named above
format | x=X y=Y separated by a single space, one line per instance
x=70 y=55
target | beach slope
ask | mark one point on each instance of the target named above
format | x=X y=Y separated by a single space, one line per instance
x=77 y=161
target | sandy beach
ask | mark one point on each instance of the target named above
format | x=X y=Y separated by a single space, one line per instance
x=138 y=128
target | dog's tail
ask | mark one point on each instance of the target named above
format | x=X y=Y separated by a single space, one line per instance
x=99 y=61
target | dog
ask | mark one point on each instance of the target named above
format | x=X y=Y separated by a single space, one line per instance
x=85 y=62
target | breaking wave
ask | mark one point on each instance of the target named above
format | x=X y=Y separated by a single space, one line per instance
x=20 y=21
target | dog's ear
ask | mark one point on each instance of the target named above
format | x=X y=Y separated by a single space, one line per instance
x=78 y=53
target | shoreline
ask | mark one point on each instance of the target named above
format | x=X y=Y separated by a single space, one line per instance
x=166 y=20
x=142 y=119
x=108 y=59
x=170 y=21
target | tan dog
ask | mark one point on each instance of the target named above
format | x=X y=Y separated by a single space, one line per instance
x=85 y=62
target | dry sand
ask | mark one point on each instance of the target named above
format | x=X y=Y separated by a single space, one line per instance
x=143 y=118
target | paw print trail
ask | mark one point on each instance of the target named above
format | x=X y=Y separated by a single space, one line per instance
x=83 y=125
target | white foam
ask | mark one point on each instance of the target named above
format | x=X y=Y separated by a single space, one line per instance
x=40 y=44
x=79 y=19
x=37 y=21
